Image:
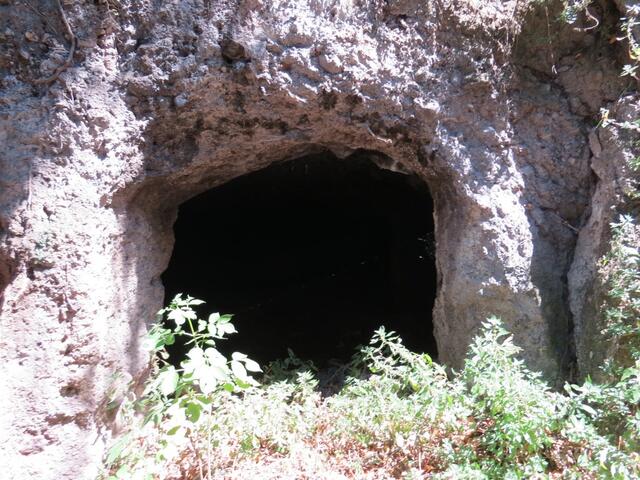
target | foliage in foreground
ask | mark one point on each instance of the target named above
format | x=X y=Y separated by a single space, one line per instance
x=398 y=416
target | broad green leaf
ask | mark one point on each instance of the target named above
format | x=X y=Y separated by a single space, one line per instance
x=190 y=314
x=220 y=373
x=212 y=329
x=188 y=367
x=226 y=328
x=246 y=382
x=116 y=450
x=628 y=372
x=252 y=366
x=168 y=381
x=196 y=354
x=242 y=384
x=589 y=410
x=207 y=379
x=215 y=357
x=193 y=411
x=177 y=316
x=173 y=430
x=238 y=370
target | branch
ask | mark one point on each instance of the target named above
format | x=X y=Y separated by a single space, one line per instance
x=72 y=50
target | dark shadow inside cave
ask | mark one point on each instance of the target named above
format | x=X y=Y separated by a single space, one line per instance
x=7 y=268
x=312 y=254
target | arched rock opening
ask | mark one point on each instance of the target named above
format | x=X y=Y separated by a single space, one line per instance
x=311 y=254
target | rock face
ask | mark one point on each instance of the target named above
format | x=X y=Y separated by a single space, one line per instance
x=491 y=105
x=612 y=149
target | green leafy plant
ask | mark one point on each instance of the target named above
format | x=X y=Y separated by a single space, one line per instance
x=180 y=399
x=620 y=270
x=512 y=405
x=400 y=415
x=203 y=371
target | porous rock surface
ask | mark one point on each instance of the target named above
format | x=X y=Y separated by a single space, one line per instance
x=489 y=102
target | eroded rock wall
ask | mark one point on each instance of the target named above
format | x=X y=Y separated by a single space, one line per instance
x=165 y=100
x=613 y=147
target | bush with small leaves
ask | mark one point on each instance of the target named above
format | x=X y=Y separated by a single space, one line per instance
x=181 y=401
x=399 y=415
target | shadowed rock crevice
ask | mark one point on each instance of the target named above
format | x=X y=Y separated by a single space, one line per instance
x=312 y=254
x=7 y=272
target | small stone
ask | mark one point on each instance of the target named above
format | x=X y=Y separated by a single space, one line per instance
x=24 y=54
x=274 y=48
x=32 y=37
x=297 y=37
x=233 y=51
x=456 y=78
x=181 y=100
x=330 y=63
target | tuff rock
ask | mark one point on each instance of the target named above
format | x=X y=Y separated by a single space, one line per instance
x=490 y=103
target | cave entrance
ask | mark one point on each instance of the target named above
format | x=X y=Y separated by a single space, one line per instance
x=312 y=254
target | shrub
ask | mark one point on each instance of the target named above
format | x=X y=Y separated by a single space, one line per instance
x=398 y=416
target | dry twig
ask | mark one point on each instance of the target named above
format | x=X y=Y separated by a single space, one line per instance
x=74 y=41
x=591 y=17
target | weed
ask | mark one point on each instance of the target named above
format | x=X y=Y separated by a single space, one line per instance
x=403 y=418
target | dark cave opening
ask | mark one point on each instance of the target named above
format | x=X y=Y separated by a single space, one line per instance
x=312 y=254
